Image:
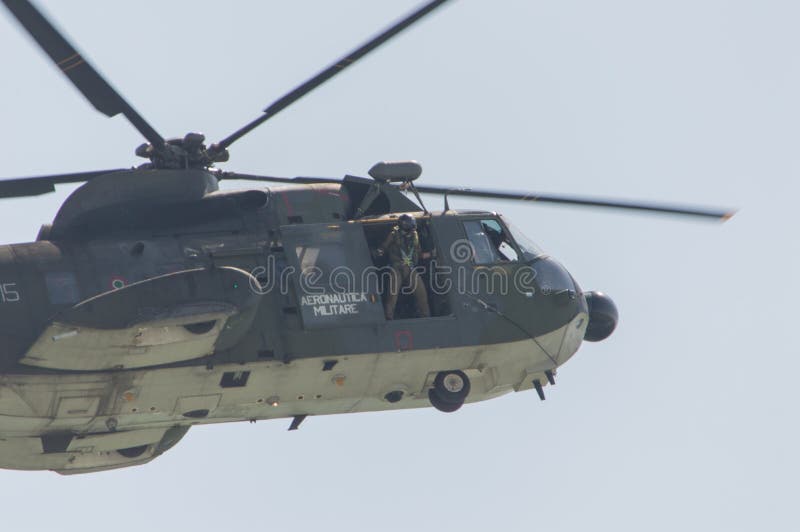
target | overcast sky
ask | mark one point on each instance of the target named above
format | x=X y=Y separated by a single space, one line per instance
x=685 y=419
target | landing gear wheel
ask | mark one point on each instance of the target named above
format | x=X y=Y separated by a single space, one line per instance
x=450 y=389
x=441 y=405
x=452 y=386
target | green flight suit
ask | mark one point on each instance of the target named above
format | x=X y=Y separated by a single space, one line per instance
x=404 y=251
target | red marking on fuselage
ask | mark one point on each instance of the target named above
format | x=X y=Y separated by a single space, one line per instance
x=287 y=203
x=403 y=340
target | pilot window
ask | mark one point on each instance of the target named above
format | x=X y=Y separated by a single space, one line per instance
x=529 y=249
x=489 y=242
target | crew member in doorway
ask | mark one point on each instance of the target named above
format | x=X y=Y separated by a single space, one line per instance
x=404 y=252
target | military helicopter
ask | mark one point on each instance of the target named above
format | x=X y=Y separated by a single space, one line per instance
x=155 y=301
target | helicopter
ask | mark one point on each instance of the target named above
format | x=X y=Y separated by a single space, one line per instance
x=155 y=301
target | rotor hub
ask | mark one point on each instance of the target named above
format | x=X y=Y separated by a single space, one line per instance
x=181 y=153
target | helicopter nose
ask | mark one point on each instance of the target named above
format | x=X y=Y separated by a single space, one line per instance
x=554 y=280
x=553 y=297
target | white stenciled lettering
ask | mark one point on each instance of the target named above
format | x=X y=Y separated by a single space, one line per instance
x=338 y=304
x=335 y=310
x=9 y=293
x=328 y=299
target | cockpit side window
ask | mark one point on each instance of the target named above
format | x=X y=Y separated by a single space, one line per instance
x=500 y=240
x=530 y=250
x=489 y=242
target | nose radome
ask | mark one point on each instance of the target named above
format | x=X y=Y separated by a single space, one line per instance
x=603 y=316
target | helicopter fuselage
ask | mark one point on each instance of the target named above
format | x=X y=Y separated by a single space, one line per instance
x=155 y=301
x=204 y=310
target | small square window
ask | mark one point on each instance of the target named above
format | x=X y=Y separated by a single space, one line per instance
x=62 y=288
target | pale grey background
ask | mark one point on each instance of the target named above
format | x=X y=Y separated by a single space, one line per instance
x=684 y=420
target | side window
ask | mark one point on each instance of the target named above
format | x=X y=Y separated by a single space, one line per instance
x=62 y=288
x=490 y=243
x=318 y=262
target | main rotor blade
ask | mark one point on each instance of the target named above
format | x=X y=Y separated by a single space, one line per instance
x=35 y=186
x=96 y=89
x=712 y=213
x=717 y=214
x=314 y=82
